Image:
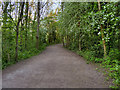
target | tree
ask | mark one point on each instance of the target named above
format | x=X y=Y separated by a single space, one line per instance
x=38 y=23
x=102 y=34
x=62 y=5
x=17 y=28
x=26 y=19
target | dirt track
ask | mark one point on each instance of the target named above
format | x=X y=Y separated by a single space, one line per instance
x=56 y=67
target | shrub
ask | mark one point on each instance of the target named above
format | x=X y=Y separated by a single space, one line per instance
x=114 y=54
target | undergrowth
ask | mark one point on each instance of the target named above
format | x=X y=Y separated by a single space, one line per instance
x=23 y=55
x=111 y=63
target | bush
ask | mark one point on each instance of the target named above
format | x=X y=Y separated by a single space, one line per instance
x=89 y=55
x=22 y=55
x=114 y=54
x=111 y=62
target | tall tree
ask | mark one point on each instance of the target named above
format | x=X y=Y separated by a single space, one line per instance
x=102 y=33
x=118 y=15
x=5 y=17
x=62 y=6
x=38 y=23
x=21 y=34
x=26 y=19
x=17 y=28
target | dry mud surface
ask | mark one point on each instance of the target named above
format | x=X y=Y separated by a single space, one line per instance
x=56 y=67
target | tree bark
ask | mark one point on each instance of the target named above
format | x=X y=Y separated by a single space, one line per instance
x=38 y=21
x=62 y=5
x=17 y=30
x=21 y=35
x=33 y=25
x=79 y=43
x=102 y=34
x=26 y=18
x=4 y=23
x=119 y=40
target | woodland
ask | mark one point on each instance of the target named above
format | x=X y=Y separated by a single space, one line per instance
x=90 y=29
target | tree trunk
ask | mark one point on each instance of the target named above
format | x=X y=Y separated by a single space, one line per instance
x=62 y=5
x=79 y=43
x=63 y=40
x=21 y=35
x=104 y=46
x=118 y=23
x=26 y=18
x=68 y=41
x=34 y=25
x=102 y=34
x=119 y=40
x=17 y=30
x=38 y=21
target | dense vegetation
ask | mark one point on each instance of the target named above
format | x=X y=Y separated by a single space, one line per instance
x=25 y=32
x=91 y=29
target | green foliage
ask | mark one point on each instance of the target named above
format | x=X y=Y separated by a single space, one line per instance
x=23 y=55
x=31 y=52
x=79 y=25
x=27 y=32
x=114 y=54
x=89 y=31
x=88 y=55
x=113 y=66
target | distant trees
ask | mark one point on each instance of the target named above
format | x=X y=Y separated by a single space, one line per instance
x=92 y=29
x=24 y=31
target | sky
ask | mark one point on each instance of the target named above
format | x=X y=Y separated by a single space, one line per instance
x=55 y=5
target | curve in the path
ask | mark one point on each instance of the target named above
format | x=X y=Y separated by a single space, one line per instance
x=56 y=67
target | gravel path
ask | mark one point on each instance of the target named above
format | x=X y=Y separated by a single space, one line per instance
x=56 y=67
